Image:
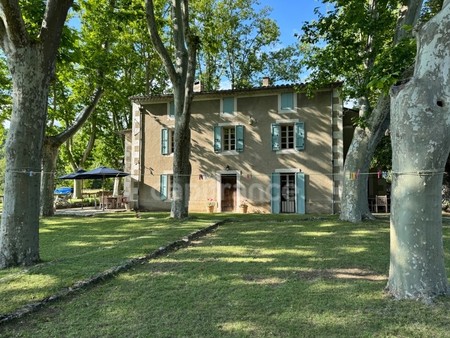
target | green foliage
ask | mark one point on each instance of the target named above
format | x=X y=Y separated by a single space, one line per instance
x=382 y=159
x=240 y=43
x=111 y=49
x=354 y=43
x=32 y=13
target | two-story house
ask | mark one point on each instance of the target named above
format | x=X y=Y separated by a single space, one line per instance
x=272 y=147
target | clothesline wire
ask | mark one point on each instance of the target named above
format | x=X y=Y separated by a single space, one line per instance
x=249 y=174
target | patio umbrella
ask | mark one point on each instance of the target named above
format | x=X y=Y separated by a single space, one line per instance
x=101 y=173
x=72 y=176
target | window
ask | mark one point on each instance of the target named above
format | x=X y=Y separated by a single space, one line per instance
x=167 y=141
x=166 y=187
x=289 y=135
x=171 y=109
x=229 y=138
x=228 y=105
x=287 y=102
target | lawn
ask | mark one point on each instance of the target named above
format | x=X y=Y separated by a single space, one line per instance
x=256 y=276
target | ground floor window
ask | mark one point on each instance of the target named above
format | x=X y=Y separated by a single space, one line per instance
x=166 y=187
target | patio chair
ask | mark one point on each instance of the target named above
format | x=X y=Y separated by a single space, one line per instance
x=381 y=202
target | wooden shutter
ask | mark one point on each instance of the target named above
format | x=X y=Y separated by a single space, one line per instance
x=287 y=101
x=276 y=132
x=275 y=198
x=217 y=139
x=299 y=135
x=300 y=192
x=164 y=141
x=171 y=109
x=240 y=138
x=163 y=187
x=228 y=105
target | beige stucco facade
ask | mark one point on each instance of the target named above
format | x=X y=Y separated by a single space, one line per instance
x=311 y=172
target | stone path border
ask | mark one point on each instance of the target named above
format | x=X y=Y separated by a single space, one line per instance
x=108 y=274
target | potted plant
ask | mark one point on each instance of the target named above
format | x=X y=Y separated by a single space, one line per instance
x=211 y=204
x=244 y=207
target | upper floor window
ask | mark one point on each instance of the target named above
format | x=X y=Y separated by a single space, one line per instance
x=228 y=105
x=228 y=138
x=167 y=141
x=288 y=135
x=287 y=102
x=171 y=109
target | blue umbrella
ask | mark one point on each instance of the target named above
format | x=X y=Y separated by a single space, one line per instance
x=101 y=173
x=72 y=176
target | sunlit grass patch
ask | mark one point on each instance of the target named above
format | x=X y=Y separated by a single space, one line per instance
x=77 y=248
x=253 y=277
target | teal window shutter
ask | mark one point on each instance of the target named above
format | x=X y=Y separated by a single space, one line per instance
x=276 y=132
x=275 y=200
x=164 y=141
x=300 y=192
x=240 y=138
x=287 y=101
x=171 y=109
x=299 y=135
x=163 y=187
x=217 y=139
x=228 y=105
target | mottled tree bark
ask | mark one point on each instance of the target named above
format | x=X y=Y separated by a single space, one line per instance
x=31 y=63
x=181 y=72
x=354 y=206
x=420 y=132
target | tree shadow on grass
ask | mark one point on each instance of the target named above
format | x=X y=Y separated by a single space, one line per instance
x=254 y=279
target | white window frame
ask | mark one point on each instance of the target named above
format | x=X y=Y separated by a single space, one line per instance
x=171 y=144
x=169 y=186
x=228 y=125
x=227 y=114
x=170 y=117
x=294 y=109
x=290 y=150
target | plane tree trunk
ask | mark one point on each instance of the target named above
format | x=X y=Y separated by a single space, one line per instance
x=420 y=133
x=181 y=72
x=355 y=206
x=31 y=63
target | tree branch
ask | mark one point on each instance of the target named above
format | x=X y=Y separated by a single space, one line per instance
x=12 y=28
x=53 y=23
x=157 y=42
x=409 y=16
x=87 y=111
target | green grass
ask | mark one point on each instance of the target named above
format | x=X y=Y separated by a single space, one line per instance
x=257 y=276
x=75 y=248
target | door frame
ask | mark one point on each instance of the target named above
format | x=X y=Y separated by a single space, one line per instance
x=219 y=175
x=299 y=194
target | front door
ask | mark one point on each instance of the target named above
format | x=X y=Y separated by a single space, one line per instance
x=228 y=185
x=287 y=184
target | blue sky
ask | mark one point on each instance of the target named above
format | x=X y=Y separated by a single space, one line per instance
x=291 y=14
